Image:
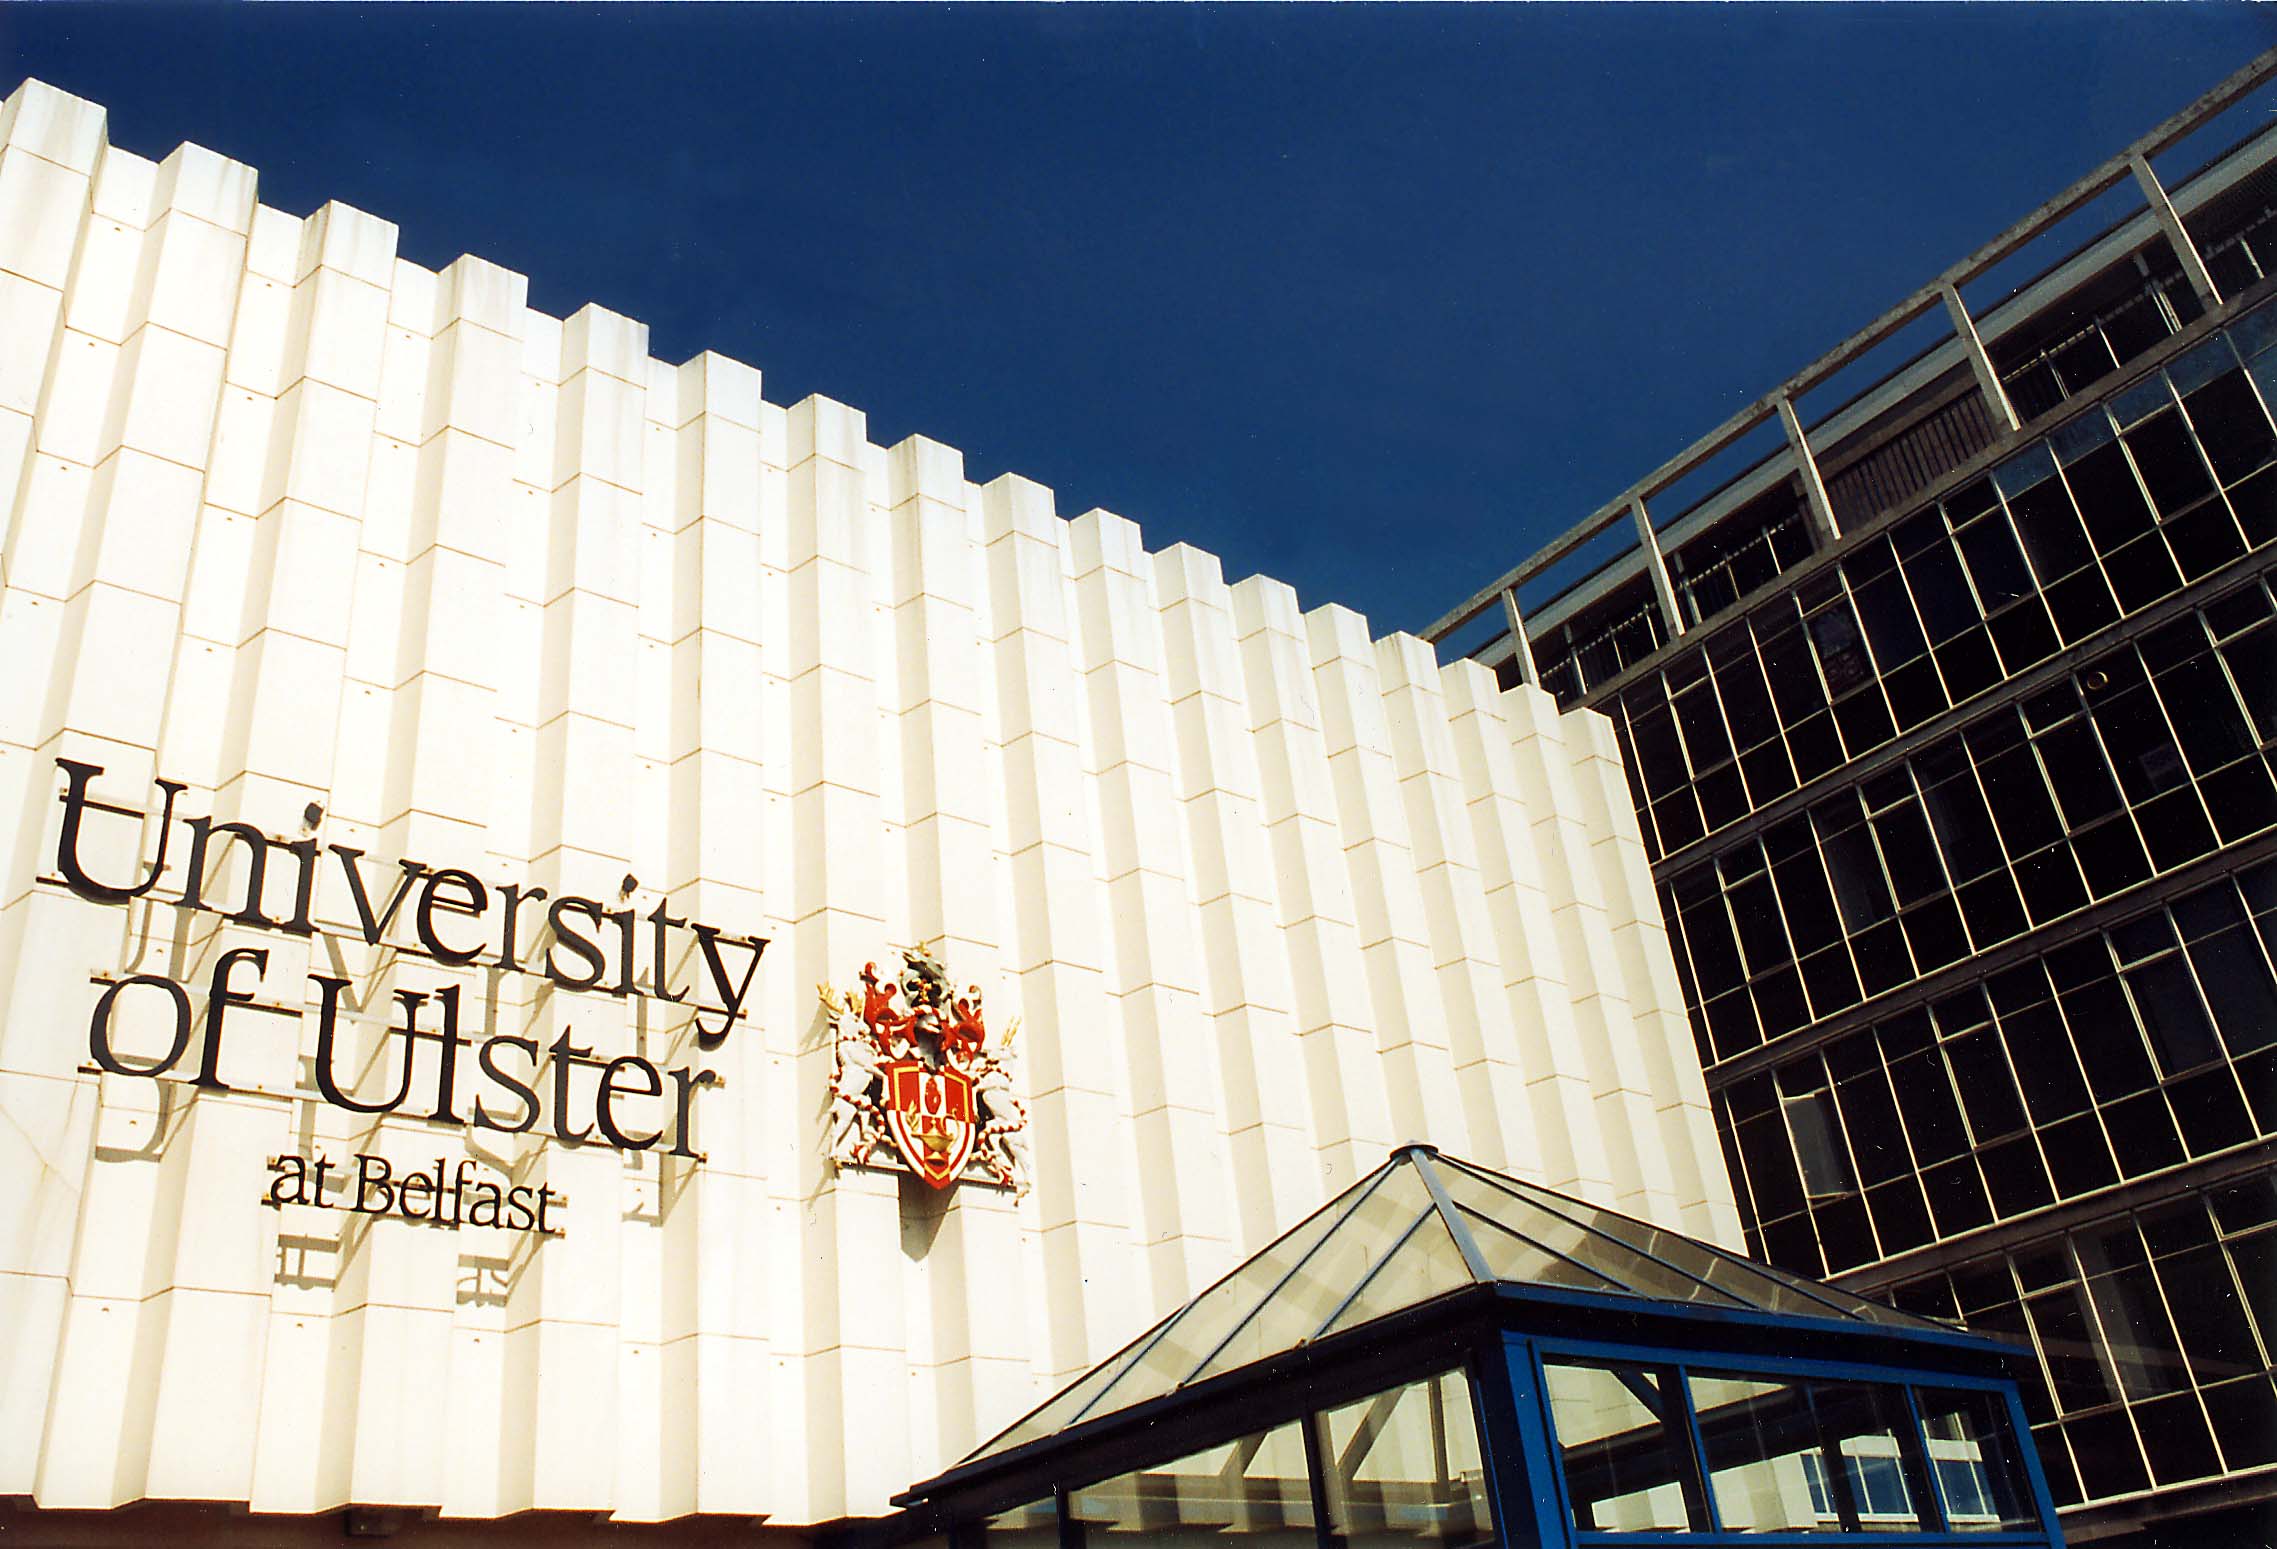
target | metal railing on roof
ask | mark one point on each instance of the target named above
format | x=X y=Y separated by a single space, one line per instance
x=1966 y=345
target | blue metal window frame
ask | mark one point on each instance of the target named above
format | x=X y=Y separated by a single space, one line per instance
x=1553 y=1509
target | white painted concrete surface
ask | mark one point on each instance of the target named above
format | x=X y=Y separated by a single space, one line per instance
x=292 y=521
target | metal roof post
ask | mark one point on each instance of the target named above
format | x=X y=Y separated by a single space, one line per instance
x=1816 y=506
x=1988 y=380
x=1519 y=644
x=2177 y=235
x=1656 y=567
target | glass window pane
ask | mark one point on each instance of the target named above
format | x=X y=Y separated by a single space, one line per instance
x=2166 y=997
x=1292 y=1298
x=1404 y=1467
x=1513 y=1248
x=1807 y=1457
x=1658 y=1262
x=2205 y=713
x=1995 y=562
x=1033 y=1526
x=1257 y=1487
x=1891 y=624
x=2136 y=1328
x=1705 y=740
x=1860 y=886
x=1747 y=701
x=1818 y=1148
x=1659 y=758
x=1511 y=1255
x=1841 y=648
x=1425 y=1264
x=2237 y=981
x=2076 y=769
x=1941 y=590
x=1627 y=1467
x=2169 y=461
x=1979 y=1470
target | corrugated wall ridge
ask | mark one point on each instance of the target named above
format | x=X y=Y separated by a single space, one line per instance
x=381 y=558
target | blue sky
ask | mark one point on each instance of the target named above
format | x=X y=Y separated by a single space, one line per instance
x=1373 y=299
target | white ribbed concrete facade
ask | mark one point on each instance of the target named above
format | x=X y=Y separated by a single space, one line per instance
x=291 y=521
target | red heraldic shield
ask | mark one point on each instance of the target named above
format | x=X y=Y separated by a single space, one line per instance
x=931 y=1115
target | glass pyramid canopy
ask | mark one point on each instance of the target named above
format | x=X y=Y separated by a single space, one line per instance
x=1416 y=1228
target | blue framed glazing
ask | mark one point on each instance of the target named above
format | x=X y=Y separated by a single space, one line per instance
x=1526 y=1356
x=1510 y=1335
x=1701 y=1312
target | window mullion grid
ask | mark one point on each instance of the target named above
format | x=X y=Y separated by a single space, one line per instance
x=2072 y=827
x=2073 y=830
x=1975 y=1153
x=1841 y=924
x=2095 y=1104
x=2222 y=1055
x=1976 y=591
x=2237 y=687
x=2040 y=583
x=2181 y=952
x=1793 y=958
x=2099 y=1104
x=1849 y=1157
x=1952 y=889
x=2032 y=1122
x=1744 y=1193
x=2039 y=1347
x=2142 y=485
x=1977 y=1142
x=1748 y=975
x=2252 y=385
x=2135 y=1004
x=2265 y=1338
x=2009 y=859
x=1715 y=692
x=1849 y=598
x=1857 y=1173
x=1690 y=787
x=2111 y=762
x=1905 y=1129
x=2062 y=476
x=2253 y=943
x=2152 y=1263
x=2106 y=1349
x=2032 y=1127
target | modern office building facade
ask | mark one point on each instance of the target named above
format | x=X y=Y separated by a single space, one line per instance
x=1948 y=706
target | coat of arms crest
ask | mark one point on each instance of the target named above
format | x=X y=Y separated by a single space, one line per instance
x=915 y=1086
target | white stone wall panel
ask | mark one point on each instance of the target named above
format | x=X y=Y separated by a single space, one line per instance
x=380 y=557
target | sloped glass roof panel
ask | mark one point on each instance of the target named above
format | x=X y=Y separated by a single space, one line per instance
x=1684 y=1260
x=1638 y=1273
x=1308 y=1297
x=1425 y=1264
x=1061 y=1409
x=1170 y=1358
x=1542 y=1260
x=1733 y=1278
x=1229 y=1299
x=1393 y=1241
